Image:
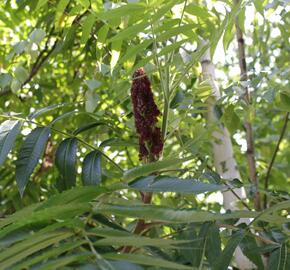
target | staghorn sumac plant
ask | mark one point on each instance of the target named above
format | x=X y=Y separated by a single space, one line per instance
x=146 y=117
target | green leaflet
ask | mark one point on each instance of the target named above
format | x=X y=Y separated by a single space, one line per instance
x=29 y=154
x=173 y=184
x=146 y=260
x=225 y=258
x=92 y=168
x=172 y=215
x=152 y=167
x=33 y=244
x=9 y=129
x=56 y=251
x=87 y=27
x=65 y=160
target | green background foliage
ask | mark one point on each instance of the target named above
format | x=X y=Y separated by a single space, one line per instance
x=70 y=176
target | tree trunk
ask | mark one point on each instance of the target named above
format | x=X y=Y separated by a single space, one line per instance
x=223 y=153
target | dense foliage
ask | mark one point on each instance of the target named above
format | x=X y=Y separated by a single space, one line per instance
x=80 y=188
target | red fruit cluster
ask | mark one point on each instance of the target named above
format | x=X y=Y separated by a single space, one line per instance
x=146 y=114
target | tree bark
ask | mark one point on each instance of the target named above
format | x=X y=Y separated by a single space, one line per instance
x=223 y=153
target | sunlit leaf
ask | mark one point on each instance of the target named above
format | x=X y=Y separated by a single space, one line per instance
x=87 y=27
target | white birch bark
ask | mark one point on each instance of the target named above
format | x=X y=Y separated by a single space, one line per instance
x=223 y=153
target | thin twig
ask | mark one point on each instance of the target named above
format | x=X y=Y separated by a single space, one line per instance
x=38 y=64
x=248 y=126
x=40 y=60
x=266 y=183
x=104 y=264
x=237 y=196
x=228 y=186
x=44 y=54
x=141 y=226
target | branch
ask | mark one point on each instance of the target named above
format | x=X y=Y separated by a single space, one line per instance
x=39 y=62
x=41 y=59
x=237 y=196
x=141 y=225
x=266 y=184
x=249 y=131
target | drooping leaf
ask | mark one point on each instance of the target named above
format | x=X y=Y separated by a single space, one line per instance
x=47 y=215
x=132 y=51
x=56 y=251
x=45 y=110
x=129 y=32
x=29 y=246
x=117 y=142
x=21 y=74
x=172 y=215
x=152 y=167
x=138 y=241
x=280 y=258
x=93 y=84
x=146 y=260
x=74 y=195
x=170 y=48
x=259 y=6
x=199 y=245
x=60 y=8
x=228 y=35
x=284 y=101
x=8 y=132
x=115 y=53
x=92 y=100
x=173 y=184
x=65 y=115
x=131 y=8
x=65 y=160
x=226 y=256
x=186 y=29
x=29 y=155
x=250 y=249
x=177 y=99
x=87 y=27
x=213 y=244
x=125 y=265
x=5 y=80
x=102 y=34
x=69 y=37
x=61 y=262
x=229 y=18
x=89 y=126
x=37 y=35
x=41 y=3
x=163 y=9
x=231 y=119
x=92 y=168
x=197 y=11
